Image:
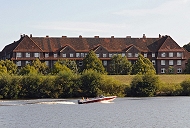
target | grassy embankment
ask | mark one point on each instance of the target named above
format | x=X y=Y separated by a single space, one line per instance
x=166 y=79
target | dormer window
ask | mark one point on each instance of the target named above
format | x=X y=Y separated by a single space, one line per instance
x=104 y=55
x=64 y=55
x=71 y=54
x=163 y=54
x=153 y=54
x=77 y=54
x=129 y=54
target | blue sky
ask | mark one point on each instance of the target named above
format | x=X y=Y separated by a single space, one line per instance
x=106 y=18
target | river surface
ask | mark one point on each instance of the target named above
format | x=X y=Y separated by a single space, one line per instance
x=155 y=112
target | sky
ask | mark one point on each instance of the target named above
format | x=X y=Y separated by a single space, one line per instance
x=89 y=18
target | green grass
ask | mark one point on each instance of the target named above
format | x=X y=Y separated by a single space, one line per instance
x=166 y=79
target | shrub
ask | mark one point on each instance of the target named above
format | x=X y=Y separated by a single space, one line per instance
x=144 y=85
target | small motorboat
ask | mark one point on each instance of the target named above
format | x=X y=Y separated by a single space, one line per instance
x=98 y=99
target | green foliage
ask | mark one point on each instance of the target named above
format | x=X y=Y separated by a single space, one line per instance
x=120 y=65
x=3 y=70
x=11 y=67
x=42 y=68
x=58 y=67
x=91 y=61
x=90 y=83
x=185 y=87
x=27 y=70
x=144 y=85
x=187 y=68
x=143 y=66
x=171 y=70
x=71 y=64
x=110 y=86
x=169 y=89
x=9 y=87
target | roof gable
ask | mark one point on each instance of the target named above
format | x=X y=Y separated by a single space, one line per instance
x=99 y=47
x=170 y=45
x=133 y=48
x=67 y=47
x=26 y=44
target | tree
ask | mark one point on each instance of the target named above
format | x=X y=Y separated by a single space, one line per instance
x=90 y=83
x=10 y=65
x=144 y=85
x=71 y=64
x=28 y=70
x=143 y=66
x=60 y=68
x=42 y=68
x=187 y=68
x=187 y=47
x=91 y=61
x=186 y=87
x=120 y=65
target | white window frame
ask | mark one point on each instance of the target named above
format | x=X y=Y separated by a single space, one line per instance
x=18 y=63
x=55 y=55
x=36 y=54
x=27 y=54
x=46 y=55
x=153 y=54
x=145 y=55
x=171 y=62
x=136 y=54
x=71 y=55
x=129 y=55
x=171 y=54
x=64 y=55
x=104 y=55
x=179 y=54
x=110 y=55
x=163 y=70
x=77 y=55
x=123 y=54
x=18 y=54
x=82 y=55
x=98 y=55
x=163 y=62
x=27 y=62
x=163 y=54
x=178 y=62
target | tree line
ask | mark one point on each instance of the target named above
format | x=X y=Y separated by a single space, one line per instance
x=65 y=80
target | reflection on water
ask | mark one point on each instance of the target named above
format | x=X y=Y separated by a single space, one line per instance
x=155 y=112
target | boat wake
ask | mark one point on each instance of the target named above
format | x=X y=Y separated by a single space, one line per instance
x=106 y=102
x=60 y=102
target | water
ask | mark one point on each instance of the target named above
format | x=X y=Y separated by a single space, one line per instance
x=156 y=112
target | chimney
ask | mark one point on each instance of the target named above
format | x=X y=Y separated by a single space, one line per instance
x=112 y=37
x=47 y=36
x=64 y=36
x=144 y=36
x=128 y=36
x=160 y=36
x=80 y=36
x=96 y=36
x=30 y=35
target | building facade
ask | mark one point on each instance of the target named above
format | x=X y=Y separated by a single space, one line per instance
x=166 y=55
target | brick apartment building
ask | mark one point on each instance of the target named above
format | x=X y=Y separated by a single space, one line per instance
x=163 y=51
